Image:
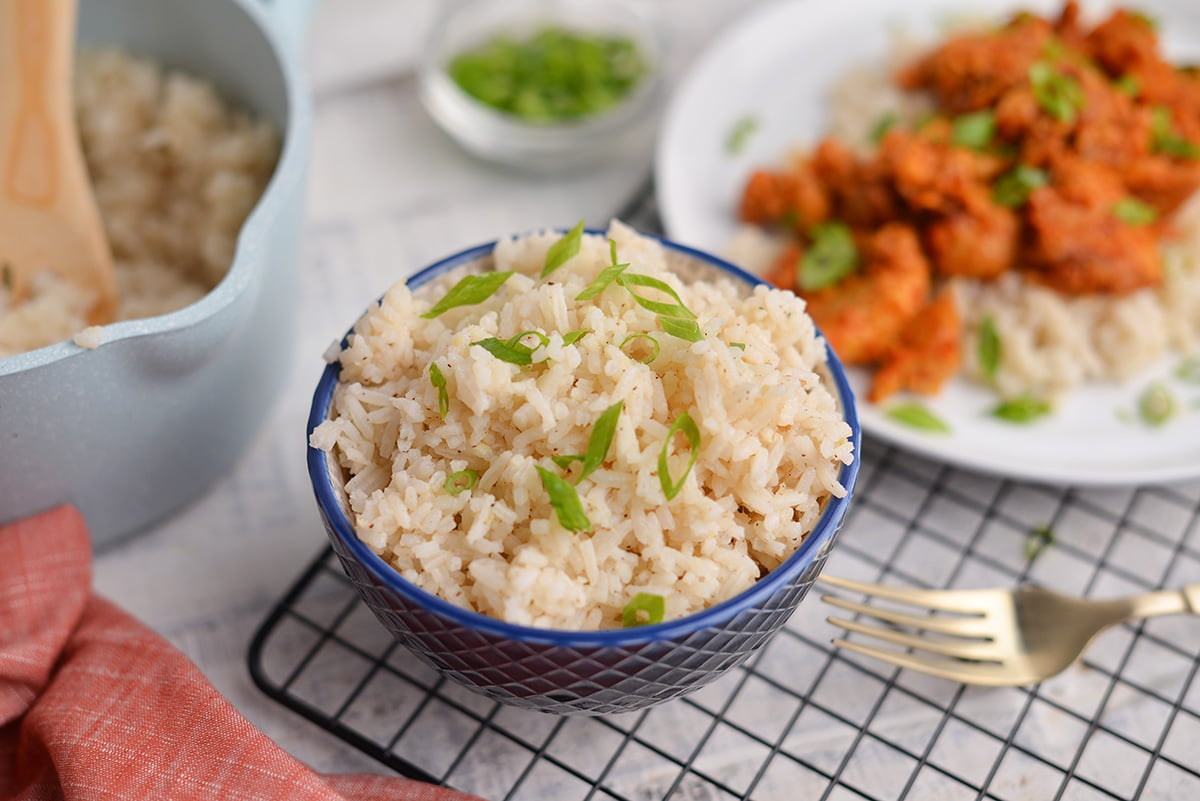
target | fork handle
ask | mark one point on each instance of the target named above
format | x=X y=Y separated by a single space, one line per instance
x=1167 y=602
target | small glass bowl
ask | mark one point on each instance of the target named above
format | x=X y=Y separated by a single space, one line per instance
x=626 y=129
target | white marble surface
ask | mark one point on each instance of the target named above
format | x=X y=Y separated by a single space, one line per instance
x=388 y=194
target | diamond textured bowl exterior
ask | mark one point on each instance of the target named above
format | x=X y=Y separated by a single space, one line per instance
x=577 y=672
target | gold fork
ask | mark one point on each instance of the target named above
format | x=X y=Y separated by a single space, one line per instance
x=992 y=637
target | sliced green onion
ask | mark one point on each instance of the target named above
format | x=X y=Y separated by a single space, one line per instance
x=1014 y=187
x=601 y=281
x=739 y=134
x=1157 y=404
x=511 y=351
x=603 y=431
x=469 y=291
x=989 y=348
x=439 y=381
x=738 y=345
x=461 y=481
x=688 y=330
x=565 y=501
x=644 y=609
x=1022 y=409
x=885 y=123
x=1132 y=211
x=654 y=346
x=571 y=337
x=516 y=340
x=914 y=415
x=1057 y=93
x=566 y=460
x=1128 y=85
x=1037 y=540
x=562 y=250
x=1189 y=370
x=1163 y=138
x=831 y=257
x=676 y=309
x=683 y=423
x=974 y=130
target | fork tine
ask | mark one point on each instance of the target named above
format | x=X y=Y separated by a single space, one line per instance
x=965 y=672
x=961 y=626
x=958 y=648
x=947 y=600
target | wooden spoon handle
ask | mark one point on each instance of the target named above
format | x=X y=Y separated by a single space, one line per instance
x=51 y=219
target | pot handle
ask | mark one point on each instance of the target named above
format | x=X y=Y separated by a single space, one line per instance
x=290 y=19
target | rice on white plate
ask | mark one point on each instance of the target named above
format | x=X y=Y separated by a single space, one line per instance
x=772 y=438
x=175 y=170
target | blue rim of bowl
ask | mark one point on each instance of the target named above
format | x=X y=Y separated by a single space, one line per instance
x=711 y=617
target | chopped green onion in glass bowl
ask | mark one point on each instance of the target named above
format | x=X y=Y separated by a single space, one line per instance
x=544 y=85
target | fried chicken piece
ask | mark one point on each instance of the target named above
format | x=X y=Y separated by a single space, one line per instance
x=927 y=353
x=859 y=190
x=863 y=314
x=972 y=71
x=795 y=197
x=1163 y=182
x=982 y=242
x=1077 y=245
x=935 y=177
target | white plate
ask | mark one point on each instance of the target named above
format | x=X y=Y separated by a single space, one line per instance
x=775 y=67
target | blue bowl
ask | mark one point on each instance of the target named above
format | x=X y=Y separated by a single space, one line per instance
x=577 y=672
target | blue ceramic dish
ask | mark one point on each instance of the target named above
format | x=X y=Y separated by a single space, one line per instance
x=577 y=672
x=137 y=428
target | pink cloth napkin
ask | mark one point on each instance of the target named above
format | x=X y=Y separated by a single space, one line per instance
x=95 y=705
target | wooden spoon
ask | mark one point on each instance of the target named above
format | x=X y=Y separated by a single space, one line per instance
x=48 y=214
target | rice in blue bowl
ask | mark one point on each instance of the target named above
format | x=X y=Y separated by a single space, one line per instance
x=583 y=472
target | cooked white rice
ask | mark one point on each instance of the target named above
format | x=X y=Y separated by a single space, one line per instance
x=1051 y=343
x=175 y=171
x=773 y=440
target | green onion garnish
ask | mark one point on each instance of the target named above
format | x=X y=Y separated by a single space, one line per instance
x=1157 y=404
x=676 y=309
x=1037 y=540
x=571 y=337
x=645 y=608
x=738 y=345
x=1128 y=85
x=989 y=348
x=469 y=291
x=1163 y=138
x=1189 y=370
x=1132 y=211
x=1014 y=187
x=975 y=130
x=562 y=250
x=831 y=257
x=683 y=423
x=739 y=134
x=601 y=439
x=1022 y=409
x=654 y=346
x=606 y=276
x=885 y=123
x=512 y=350
x=1057 y=93
x=461 y=481
x=439 y=381
x=567 y=506
x=914 y=415
x=682 y=329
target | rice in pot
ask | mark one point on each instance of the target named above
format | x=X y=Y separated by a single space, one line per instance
x=772 y=438
x=175 y=170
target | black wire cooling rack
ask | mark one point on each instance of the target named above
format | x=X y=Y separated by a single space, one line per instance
x=802 y=720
